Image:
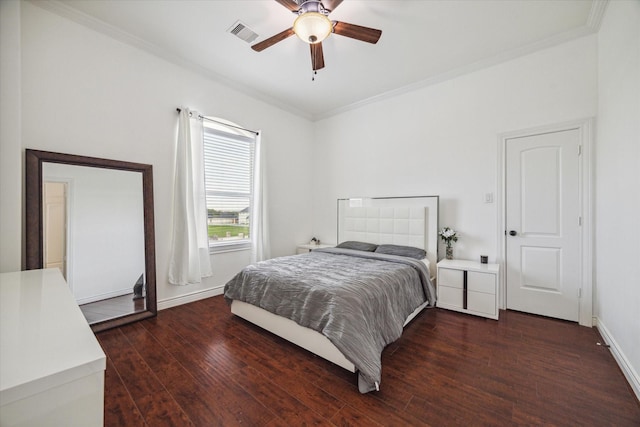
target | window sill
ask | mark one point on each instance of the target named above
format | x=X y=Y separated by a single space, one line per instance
x=237 y=247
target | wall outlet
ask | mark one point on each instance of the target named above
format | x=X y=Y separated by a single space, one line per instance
x=488 y=198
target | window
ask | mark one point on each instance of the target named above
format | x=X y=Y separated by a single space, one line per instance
x=228 y=167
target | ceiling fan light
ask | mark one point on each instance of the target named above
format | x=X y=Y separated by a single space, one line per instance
x=312 y=27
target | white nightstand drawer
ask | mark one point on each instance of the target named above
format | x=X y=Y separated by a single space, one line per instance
x=450 y=296
x=449 y=277
x=481 y=282
x=481 y=303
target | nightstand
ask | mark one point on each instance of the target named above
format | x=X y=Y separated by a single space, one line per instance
x=468 y=287
x=308 y=248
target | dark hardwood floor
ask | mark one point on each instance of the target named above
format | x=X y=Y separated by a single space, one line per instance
x=199 y=365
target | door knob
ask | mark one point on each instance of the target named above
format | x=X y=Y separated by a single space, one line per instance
x=513 y=232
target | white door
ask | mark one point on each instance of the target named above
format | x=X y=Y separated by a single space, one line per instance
x=55 y=225
x=543 y=247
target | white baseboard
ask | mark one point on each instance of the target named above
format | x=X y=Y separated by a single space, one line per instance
x=630 y=374
x=194 y=296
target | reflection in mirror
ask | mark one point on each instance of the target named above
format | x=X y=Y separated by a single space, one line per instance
x=93 y=230
x=93 y=219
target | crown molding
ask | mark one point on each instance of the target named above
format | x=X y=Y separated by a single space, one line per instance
x=111 y=31
x=598 y=9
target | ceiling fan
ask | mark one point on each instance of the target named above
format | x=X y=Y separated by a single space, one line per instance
x=313 y=26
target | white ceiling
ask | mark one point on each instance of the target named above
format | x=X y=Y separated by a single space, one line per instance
x=422 y=42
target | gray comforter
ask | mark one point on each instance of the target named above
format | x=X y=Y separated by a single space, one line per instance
x=358 y=300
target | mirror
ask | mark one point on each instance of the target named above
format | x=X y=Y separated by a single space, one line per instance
x=93 y=219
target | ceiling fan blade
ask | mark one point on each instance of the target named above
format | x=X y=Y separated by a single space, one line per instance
x=317 y=57
x=331 y=5
x=259 y=47
x=365 y=34
x=289 y=4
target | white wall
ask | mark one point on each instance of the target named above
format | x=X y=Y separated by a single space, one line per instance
x=618 y=184
x=10 y=134
x=86 y=93
x=443 y=139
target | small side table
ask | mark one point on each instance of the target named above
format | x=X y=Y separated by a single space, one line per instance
x=468 y=287
x=301 y=249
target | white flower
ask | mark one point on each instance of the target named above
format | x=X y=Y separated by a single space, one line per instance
x=448 y=235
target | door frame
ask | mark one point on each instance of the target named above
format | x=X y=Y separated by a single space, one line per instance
x=69 y=224
x=586 y=130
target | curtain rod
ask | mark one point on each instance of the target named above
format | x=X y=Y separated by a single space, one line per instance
x=200 y=116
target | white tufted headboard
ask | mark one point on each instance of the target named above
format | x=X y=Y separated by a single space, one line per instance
x=409 y=221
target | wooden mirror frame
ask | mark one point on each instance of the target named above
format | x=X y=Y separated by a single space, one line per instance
x=34 y=216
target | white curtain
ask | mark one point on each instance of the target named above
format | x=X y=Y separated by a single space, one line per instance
x=259 y=219
x=189 y=261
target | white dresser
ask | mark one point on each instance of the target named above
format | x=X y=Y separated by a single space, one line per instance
x=468 y=287
x=51 y=365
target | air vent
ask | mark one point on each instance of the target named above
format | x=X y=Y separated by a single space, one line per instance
x=243 y=32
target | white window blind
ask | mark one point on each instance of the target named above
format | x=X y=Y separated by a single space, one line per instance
x=228 y=159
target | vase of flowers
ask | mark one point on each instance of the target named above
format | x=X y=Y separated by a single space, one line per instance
x=448 y=236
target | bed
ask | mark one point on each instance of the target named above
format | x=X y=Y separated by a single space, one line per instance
x=346 y=304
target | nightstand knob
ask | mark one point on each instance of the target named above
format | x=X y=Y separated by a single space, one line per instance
x=513 y=233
